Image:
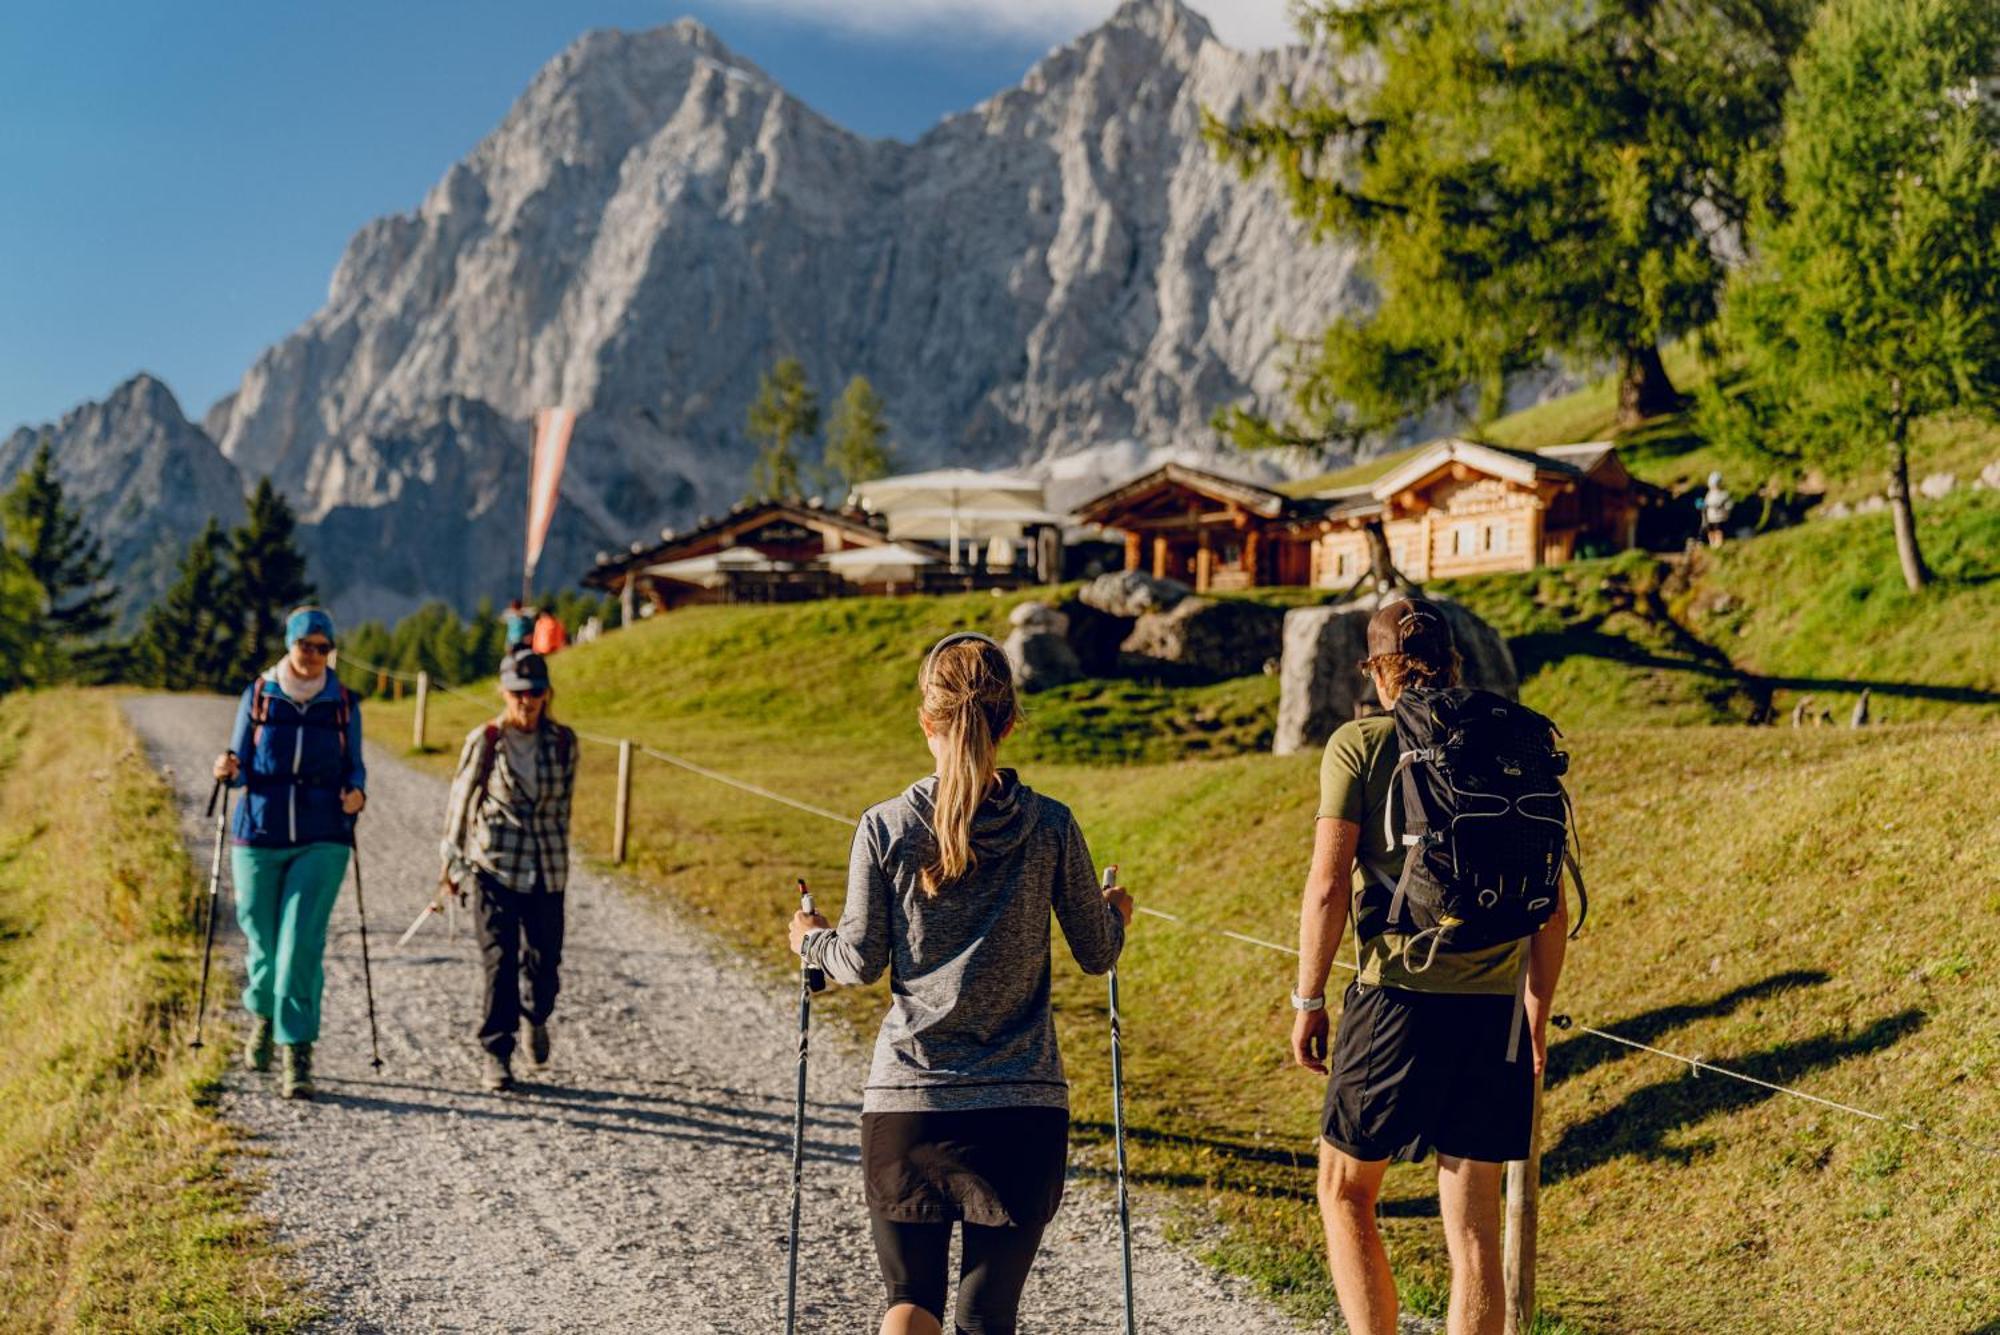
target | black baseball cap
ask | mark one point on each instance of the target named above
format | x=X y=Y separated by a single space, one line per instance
x=524 y=670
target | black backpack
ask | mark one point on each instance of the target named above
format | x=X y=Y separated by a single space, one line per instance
x=1477 y=800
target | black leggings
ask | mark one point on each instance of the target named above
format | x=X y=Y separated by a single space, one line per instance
x=991 y=1274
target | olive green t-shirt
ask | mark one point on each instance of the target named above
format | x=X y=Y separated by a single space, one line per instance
x=1354 y=777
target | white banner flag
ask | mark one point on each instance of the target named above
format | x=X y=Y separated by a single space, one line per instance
x=552 y=428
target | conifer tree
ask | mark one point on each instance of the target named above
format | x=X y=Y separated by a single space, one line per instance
x=268 y=577
x=784 y=417
x=1873 y=295
x=190 y=639
x=57 y=551
x=1529 y=179
x=856 y=448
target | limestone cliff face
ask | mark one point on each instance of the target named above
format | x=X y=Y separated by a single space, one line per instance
x=144 y=477
x=656 y=221
x=1060 y=276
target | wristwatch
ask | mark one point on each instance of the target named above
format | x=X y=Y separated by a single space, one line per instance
x=1300 y=1003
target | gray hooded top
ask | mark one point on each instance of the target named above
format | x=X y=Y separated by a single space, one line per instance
x=968 y=1024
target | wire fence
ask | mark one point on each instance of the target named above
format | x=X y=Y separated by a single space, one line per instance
x=1695 y=1064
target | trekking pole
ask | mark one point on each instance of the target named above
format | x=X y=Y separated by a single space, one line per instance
x=367 y=973
x=811 y=980
x=214 y=891
x=1118 y=1128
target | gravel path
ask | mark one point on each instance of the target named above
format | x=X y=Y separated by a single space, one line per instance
x=643 y=1184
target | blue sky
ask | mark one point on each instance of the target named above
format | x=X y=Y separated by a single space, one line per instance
x=182 y=177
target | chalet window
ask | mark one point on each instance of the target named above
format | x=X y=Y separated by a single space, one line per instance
x=1340 y=566
x=1492 y=538
x=1463 y=536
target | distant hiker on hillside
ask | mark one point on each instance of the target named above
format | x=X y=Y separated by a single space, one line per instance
x=519 y=623
x=1716 y=504
x=507 y=832
x=1455 y=955
x=296 y=748
x=549 y=637
x=966 y=1113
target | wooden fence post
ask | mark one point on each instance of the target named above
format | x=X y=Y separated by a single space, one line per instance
x=1524 y=1203
x=621 y=818
x=423 y=699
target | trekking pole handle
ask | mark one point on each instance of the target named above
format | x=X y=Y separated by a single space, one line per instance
x=815 y=978
x=215 y=794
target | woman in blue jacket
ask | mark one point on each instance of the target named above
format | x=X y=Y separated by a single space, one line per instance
x=296 y=750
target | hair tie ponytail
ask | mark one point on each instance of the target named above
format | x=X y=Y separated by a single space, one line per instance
x=969 y=704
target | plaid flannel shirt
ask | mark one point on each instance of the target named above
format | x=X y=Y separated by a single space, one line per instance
x=520 y=841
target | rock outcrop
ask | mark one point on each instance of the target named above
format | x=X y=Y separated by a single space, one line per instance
x=1205 y=639
x=1320 y=686
x=1038 y=648
x=1133 y=593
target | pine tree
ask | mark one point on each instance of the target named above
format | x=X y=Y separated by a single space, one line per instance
x=785 y=416
x=1529 y=178
x=23 y=650
x=855 y=439
x=268 y=577
x=61 y=555
x=189 y=640
x=1873 y=296
x=485 y=642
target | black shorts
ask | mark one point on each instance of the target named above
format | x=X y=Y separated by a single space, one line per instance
x=996 y=1167
x=1420 y=1071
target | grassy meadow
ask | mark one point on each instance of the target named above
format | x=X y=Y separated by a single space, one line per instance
x=118 y=1211
x=1810 y=906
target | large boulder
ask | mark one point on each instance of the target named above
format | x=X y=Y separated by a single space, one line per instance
x=1320 y=683
x=1094 y=636
x=1205 y=639
x=1133 y=593
x=1038 y=648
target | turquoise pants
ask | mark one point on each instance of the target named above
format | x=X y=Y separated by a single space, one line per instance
x=284 y=899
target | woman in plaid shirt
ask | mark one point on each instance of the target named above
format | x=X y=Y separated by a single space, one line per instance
x=507 y=829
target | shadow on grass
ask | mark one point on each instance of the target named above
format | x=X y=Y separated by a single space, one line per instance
x=1639 y=1125
x=1990 y=1328
x=1541 y=648
x=1572 y=1058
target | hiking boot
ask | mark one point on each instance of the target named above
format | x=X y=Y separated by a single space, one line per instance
x=296 y=1081
x=257 y=1048
x=495 y=1075
x=538 y=1044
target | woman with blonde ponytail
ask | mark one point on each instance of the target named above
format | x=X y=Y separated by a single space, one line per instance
x=965 y=1119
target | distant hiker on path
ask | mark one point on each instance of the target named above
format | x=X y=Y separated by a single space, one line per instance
x=507 y=831
x=1428 y=1053
x=549 y=637
x=519 y=623
x=965 y=1117
x=296 y=749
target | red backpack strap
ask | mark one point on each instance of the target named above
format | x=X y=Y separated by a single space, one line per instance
x=260 y=710
x=486 y=755
x=343 y=713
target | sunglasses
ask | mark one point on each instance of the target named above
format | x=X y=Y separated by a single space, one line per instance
x=529 y=695
x=314 y=646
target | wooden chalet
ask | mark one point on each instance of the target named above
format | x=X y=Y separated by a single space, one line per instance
x=1461 y=507
x=760 y=552
x=1455 y=507
x=1209 y=531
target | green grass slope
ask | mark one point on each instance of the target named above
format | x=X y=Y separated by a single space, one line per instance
x=117 y=1208
x=1813 y=907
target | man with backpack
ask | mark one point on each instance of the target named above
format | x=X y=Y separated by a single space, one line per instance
x=1443 y=833
x=507 y=832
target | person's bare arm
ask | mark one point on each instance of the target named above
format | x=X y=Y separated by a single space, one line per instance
x=1322 y=922
x=1546 y=949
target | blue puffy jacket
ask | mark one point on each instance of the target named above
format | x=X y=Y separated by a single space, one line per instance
x=295 y=760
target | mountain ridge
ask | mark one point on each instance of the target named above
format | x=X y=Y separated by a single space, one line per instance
x=1062 y=267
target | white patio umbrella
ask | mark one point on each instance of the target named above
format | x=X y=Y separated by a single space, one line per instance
x=710 y=570
x=950 y=504
x=889 y=563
